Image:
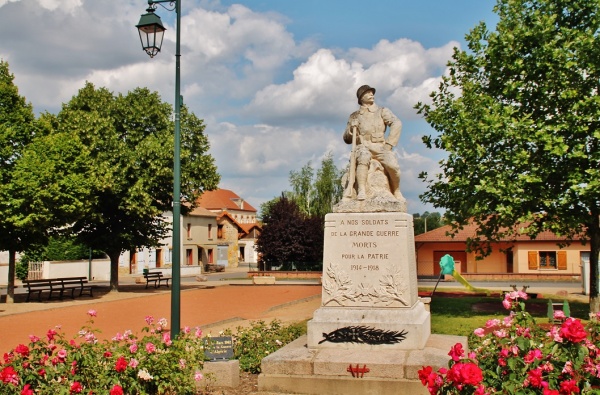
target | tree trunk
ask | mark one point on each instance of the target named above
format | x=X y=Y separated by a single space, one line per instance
x=594 y=234
x=114 y=270
x=10 y=290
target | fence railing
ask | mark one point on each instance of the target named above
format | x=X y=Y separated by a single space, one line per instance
x=35 y=270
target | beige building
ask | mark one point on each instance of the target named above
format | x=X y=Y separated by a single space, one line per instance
x=543 y=258
x=221 y=230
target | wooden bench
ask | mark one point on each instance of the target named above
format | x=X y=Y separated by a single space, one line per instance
x=58 y=286
x=158 y=278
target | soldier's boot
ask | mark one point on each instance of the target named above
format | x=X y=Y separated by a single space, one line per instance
x=361 y=179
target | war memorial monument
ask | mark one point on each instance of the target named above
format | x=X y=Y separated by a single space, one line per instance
x=372 y=332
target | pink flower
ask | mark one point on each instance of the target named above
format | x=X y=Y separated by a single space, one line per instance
x=532 y=356
x=133 y=348
x=92 y=313
x=62 y=354
x=456 y=352
x=198 y=375
x=480 y=332
x=166 y=338
x=116 y=390
x=150 y=348
x=559 y=315
x=573 y=330
x=492 y=323
x=133 y=363
x=198 y=333
x=34 y=338
x=149 y=319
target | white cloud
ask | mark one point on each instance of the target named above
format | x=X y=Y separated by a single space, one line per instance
x=271 y=102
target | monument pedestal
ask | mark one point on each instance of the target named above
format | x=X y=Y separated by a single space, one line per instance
x=297 y=369
x=371 y=333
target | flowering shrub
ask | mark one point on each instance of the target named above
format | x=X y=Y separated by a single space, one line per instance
x=127 y=364
x=251 y=345
x=516 y=356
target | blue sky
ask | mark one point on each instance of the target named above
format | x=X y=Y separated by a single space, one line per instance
x=274 y=80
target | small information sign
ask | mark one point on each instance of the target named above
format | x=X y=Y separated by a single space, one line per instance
x=219 y=348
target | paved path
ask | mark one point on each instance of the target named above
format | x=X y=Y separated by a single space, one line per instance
x=212 y=307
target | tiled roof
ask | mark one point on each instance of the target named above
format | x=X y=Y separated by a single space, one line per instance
x=223 y=199
x=439 y=235
x=202 y=212
x=248 y=227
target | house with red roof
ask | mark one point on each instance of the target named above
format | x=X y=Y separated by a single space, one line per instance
x=237 y=226
x=220 y=230
x=545 y=257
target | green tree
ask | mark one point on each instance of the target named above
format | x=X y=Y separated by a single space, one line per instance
x=426 y=222
x=327 y=187
x=316 y=196
x=519 y=115
x=17 y=129
x=130 y=140
x=302 y=188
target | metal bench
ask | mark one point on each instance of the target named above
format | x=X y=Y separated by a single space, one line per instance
x=157 y=278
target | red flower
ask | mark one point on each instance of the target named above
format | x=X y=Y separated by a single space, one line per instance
x=121 y=364
x=550 y=392
x=465 y=373
x=76 y=388
x=116 y=390
x=456 y=352
x=535 y=377
x=50 y=334
x=8 y=375
x=568 y=387
x=573 y=330
x=22 y=349
x=27 y=390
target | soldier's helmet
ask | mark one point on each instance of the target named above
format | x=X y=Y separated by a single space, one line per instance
x=362 y=90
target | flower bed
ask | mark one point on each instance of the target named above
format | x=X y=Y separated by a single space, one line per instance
x=516 y=356
x=127 y=364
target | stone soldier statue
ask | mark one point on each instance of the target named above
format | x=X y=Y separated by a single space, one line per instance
x=370 y=123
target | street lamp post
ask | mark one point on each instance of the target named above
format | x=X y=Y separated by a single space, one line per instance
x=151 y=33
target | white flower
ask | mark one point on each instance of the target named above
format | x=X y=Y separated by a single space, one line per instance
x=144 y=375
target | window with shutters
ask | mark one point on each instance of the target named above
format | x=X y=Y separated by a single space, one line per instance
x=532 y=260
x=562 y=260
x=548 y=260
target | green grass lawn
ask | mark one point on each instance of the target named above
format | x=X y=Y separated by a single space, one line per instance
x=461 y=315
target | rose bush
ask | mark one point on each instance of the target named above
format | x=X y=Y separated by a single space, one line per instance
x=516 y=356
x=127 y=364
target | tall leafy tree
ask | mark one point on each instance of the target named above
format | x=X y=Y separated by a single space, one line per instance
x=327 y=186
x=316 y=196
x=290 y=237
x=130 y=139
x=302 y=188
x=17 y=129
x=519 y=115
